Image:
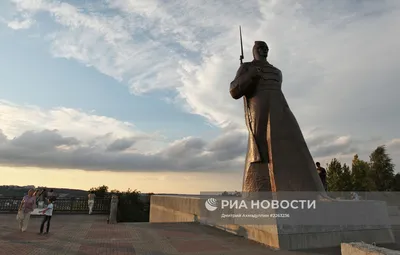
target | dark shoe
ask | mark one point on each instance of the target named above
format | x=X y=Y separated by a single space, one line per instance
x=45 y=233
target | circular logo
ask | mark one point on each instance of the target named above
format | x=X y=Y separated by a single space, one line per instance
x=211 y=204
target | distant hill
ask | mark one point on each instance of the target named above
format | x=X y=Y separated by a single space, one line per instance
x=19 y=191
x=11 y=191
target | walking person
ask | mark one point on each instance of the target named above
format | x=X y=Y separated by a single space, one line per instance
x=48 y=212
x=91 y=198
x=322 y=175
x=28 y=204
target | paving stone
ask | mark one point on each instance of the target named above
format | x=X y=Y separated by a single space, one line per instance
x=188 y=246
x=107 y=248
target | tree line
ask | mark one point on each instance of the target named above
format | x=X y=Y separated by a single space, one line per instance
x=132 y=205
x=377 y=174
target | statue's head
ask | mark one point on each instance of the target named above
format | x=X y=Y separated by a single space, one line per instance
x=260 y=50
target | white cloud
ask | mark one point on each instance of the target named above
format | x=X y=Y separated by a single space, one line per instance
x=71 y=139
x=17 y=20
x=21 y=24
x=89 y=128
x=339 y=60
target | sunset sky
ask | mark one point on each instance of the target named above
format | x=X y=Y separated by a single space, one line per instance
x=134 y=93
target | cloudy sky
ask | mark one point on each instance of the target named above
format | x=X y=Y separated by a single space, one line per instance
x=134 y=93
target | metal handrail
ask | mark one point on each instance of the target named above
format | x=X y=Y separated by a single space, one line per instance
x=65 y=205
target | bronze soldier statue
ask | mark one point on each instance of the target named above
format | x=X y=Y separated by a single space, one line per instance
x=278 y=158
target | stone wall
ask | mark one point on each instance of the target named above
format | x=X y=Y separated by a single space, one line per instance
x=164 y=208
x=365 y=249
x=394 y=215
x=174 y=209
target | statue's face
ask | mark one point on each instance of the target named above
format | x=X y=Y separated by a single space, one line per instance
x=260 y=50
x=263 y=50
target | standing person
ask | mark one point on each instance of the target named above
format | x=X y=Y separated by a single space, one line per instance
x=91 y=197
x=322 y=175
x=48 y=212
x=28 y=204
x=51 y=194
x=42 y=198
x=38 y=193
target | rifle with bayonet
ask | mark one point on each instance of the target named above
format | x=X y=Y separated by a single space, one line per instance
x=241 y=46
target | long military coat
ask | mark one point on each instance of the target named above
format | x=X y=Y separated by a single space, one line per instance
x=277 y=152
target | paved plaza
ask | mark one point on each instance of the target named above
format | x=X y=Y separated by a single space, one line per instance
x=90 y=234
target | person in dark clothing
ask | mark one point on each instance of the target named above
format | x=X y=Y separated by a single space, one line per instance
x=48 y=212
x=322 y=175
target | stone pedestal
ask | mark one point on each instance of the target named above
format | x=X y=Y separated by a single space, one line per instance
x=332 y=223
x=329 y=224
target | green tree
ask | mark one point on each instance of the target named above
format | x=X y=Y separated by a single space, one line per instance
x=361 y=175
x=382 y=169
x=132 y=208
x=115 y=191
x=100 y=191
x=334 y=174
x=396 y=182
x=346 y=182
